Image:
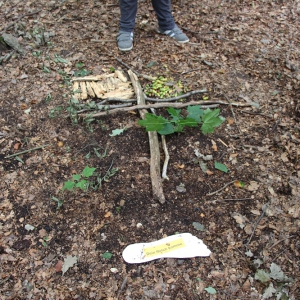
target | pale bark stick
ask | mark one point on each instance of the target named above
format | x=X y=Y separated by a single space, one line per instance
x=153 y=143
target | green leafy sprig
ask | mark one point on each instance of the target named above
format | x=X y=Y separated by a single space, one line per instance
x=208 y=119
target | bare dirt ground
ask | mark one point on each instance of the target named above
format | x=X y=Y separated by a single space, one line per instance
x=242 y=52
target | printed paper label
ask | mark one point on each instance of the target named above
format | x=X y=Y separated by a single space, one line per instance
x=164 y=248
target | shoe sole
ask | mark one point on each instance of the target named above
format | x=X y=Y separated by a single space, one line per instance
x=125 y=49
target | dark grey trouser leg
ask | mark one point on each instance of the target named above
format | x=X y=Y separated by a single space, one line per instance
x=164 y=14
x=128 y=10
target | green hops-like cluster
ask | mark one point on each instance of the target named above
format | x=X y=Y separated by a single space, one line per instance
x=163 y=87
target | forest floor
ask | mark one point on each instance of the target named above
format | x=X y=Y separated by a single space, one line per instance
x=244 y=52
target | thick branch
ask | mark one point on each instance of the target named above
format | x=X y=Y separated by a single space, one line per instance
x=153 y=142
x=204 y=104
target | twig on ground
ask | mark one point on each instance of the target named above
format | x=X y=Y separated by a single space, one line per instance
x=178 y=97
x=26 y=151
x=219 y=190
x=257 y=222
x=21 y=17
x=237 y=199
x=167 y=158
x=102 y=41
x=233 y=113
x=137 y=73
x=122 y=286
x=255 y=113
x=165 y=104
x=278 y=242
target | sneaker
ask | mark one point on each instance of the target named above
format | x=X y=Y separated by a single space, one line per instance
x=125 y=40
x=176 y=34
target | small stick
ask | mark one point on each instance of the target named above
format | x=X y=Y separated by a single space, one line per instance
x=138 y=74
x=122 y=286
x=222 y=188
x=237 y=199
x=26 y=151
x=233 y=113
x=275 y=244
x=178 y=97
x=159 y=105
x=21 y=17
x=255 y=113
x=256 y=224
x=167 y=158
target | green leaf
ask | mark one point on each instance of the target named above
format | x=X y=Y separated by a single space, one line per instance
x=153 y=123
x=81 y=184
x=211 y=290
x=151 y=64
x=175 y=113
x=76 y=177
x=198 y=226
x=59 y=202
x=277 y=274
x=190 y=122
x=117 y=131
x=60 y=59
x=210 y=120
x=107 y=255
x=167 y=129
x=262 y=276
x=195 y=112
x=221 y=167
x=69 y=185
x=269 y=292
x=19 y=159
x=88 y=172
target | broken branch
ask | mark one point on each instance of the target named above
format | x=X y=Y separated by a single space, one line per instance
x=153 y=143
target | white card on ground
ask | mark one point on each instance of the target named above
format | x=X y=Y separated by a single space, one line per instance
x=184 y=245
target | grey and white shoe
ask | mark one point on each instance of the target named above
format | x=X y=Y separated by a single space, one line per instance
x=176 y=33
x=125 y=40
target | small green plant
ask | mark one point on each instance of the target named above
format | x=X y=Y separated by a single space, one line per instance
x=88 y=178
x=276 y=282
x=45 y=240
x=58 y=201
x=55 y=112
x=208 y=119
x=163 y=87
x=81 y=72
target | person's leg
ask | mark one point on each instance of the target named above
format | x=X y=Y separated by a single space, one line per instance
x=166 y=21
x=128 y=9
x=164 y=15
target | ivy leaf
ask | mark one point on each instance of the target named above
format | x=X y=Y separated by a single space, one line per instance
x=175 y=113
x=167 y=129
x=153 y=123
x=68 y=185
x=88 y=172
x=269 y=291
x=221 y=167
x=117 y=131
x=195 y=112
x=211 y=290
x=107 y=255
x=211 y=120
x=69 y=262
x=277 y=274
x=262 y=276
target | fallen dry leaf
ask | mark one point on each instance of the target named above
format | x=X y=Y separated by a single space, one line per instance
x=59 y=265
